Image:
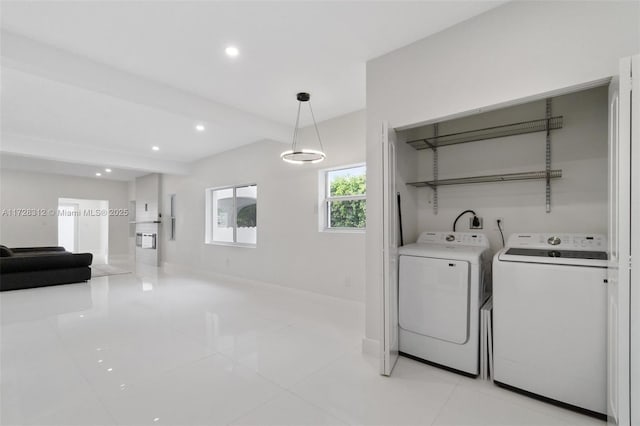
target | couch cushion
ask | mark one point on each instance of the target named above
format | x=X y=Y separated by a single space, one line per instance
x=39 y=253
x=5 y=251
x=16 y=250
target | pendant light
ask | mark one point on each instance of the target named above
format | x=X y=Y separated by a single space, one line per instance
x=298 y=155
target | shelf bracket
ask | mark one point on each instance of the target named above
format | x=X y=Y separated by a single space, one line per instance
x=548 y=158
x=435 y=170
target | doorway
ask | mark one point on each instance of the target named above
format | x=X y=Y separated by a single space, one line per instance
x=68 y=225
x=83 y=227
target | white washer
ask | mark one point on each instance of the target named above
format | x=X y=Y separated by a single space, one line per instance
x=444 y=279
x=549 y=317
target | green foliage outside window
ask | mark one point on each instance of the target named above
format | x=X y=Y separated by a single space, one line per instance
x=247 y=216
x=348 y=213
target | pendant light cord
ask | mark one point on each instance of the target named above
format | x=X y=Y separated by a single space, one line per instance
x=295 y=131
x=313 y=117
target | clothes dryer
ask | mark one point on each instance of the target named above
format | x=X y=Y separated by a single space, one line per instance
x=445 y=277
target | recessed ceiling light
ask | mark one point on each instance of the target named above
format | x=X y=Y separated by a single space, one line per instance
x=155 y=148
x=200 y=127
x=232 y=51
x=107 y=170
x=98 y=174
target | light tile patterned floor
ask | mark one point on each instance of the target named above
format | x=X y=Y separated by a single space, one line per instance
x=152 y=348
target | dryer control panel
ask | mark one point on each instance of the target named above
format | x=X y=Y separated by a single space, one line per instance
x=586 y=242
x=454 y=238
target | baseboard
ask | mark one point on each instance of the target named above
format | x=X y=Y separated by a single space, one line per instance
x=120 y=258
x=170 y=267
x=371 y=347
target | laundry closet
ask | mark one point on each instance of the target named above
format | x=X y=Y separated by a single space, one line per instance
x=547 y=175
x=537 y=167
x=499 y=69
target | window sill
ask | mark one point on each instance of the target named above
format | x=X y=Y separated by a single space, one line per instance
x=226 y=244
x=344 y=230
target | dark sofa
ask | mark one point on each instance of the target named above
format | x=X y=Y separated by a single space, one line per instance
x=31 y=267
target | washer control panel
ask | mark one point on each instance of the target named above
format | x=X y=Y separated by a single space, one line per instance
x=454 y=238
x=588 y=242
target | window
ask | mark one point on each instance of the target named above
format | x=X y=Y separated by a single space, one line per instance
x=231 y=214
x=343 y=193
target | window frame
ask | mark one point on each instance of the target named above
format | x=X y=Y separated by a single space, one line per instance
x=209 y=216
x=325 y=200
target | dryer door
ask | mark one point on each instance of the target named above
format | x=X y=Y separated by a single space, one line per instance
x=434 y=298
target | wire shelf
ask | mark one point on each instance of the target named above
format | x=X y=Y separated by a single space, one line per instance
x=489 y=178
x=512 y=129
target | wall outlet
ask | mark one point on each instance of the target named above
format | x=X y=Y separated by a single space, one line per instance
x=495 y=224
x=471 y=223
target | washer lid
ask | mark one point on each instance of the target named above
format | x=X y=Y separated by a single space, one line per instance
x=454 y=252
x=558 y=249
x=555 y=257
x=559 y=241
x=568 y=254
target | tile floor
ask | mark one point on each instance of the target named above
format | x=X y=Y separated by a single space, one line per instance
x=152 y=348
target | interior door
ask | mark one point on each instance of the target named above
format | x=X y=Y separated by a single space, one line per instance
x=613 y=364
x=619 y=271
x=634 y=290
x=390 y=331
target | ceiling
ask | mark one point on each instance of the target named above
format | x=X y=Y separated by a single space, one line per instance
x=39 y=165
x=47 y=109
x=109 y=79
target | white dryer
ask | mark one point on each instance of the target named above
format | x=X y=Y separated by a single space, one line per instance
x=444 y=279
x=549 y=317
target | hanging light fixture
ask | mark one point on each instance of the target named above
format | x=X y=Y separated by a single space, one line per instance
x=298 y=155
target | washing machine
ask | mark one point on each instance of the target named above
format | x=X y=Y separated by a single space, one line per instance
x=549 y=317
x=444 y=279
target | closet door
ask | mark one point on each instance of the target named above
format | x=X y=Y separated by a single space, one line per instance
x=634 y=306
x=620 y=247
x=390 y=327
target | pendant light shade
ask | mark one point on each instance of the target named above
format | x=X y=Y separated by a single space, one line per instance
x=297 y=155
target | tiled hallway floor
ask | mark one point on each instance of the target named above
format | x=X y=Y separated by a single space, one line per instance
x=153 y=348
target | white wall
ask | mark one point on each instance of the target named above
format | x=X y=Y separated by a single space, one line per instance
x=147 y=192
x=290 y=249
x=131 y=187
x=516 y=51
x=41 y=191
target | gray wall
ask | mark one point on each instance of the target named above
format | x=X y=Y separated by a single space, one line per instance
x=41 y=191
